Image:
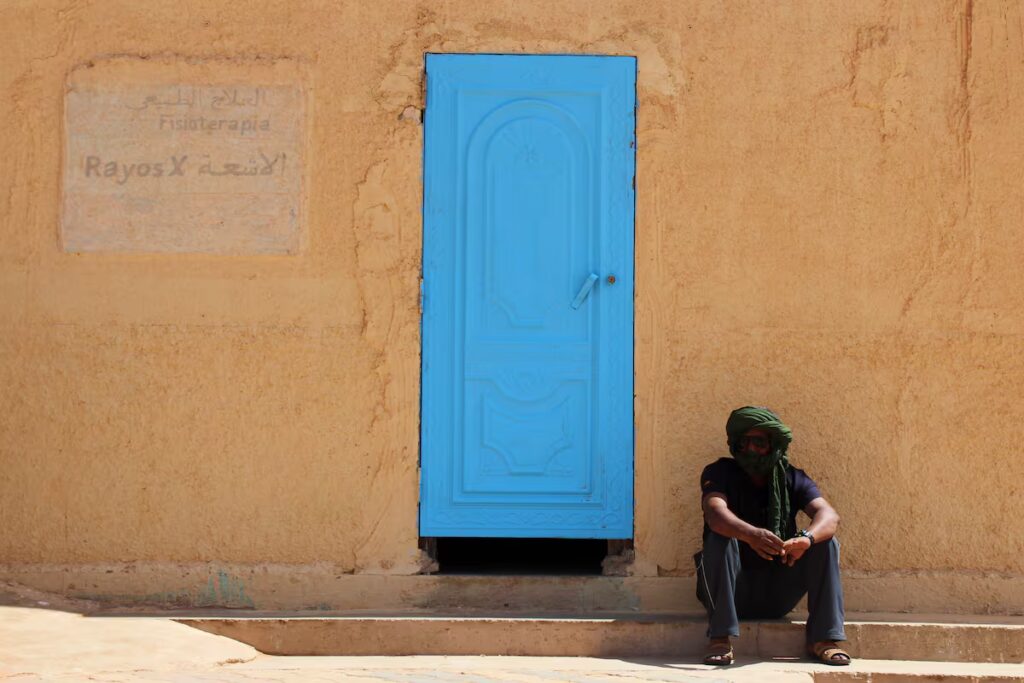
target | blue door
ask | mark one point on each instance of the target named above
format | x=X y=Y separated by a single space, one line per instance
x=527 y=395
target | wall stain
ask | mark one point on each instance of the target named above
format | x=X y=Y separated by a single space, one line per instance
x=220 y=590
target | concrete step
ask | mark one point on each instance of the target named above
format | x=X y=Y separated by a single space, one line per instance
x=874 y=637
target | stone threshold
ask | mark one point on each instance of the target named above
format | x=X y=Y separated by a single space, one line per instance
x=876 y=637
x=325 y=588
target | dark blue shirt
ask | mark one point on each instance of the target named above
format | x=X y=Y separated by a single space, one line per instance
x=750 y=503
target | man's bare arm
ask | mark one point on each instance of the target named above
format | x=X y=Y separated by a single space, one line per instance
x=824 y=520
x=721 y=520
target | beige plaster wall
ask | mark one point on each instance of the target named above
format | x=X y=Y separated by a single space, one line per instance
x=829 y=222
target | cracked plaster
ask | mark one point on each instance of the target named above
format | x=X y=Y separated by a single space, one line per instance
x=829 y=222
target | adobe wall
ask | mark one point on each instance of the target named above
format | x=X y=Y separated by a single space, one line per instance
x=829 y=222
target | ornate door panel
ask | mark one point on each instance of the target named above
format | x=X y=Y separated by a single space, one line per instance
x=527 y=396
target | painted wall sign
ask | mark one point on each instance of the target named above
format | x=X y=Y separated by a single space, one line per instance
x=183 y=167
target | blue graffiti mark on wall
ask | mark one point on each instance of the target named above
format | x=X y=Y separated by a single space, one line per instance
x=224 y=590
x=221 y=590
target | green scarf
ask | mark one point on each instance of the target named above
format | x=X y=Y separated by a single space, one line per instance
x=772 y=466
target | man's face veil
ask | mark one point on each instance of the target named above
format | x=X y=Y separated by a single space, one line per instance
x=741 y=421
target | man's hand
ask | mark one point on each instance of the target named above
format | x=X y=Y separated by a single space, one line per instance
x=765 y=543
x=794 y=549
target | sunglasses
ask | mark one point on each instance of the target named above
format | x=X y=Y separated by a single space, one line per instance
x=755 y=441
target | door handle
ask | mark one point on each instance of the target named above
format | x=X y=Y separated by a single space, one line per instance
x=584 y=291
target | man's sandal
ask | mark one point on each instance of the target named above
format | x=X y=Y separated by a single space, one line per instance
x=829 y=652
x=718 y=654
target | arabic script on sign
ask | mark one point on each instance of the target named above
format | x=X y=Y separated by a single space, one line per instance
x=183 y=168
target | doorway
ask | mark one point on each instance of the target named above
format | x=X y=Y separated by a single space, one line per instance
x=527 y=363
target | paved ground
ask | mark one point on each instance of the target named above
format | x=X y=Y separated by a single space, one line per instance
x=52 y=642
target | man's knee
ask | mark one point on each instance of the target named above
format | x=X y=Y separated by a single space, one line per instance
x=829 y=547
x=717 y=545
x=823 y=554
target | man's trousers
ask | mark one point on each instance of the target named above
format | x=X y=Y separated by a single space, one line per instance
x=730 y=592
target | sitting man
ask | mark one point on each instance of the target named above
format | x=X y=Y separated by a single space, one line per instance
x=746 y=570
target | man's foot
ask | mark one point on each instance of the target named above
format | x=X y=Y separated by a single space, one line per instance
x=719 y=652
x=829 y=652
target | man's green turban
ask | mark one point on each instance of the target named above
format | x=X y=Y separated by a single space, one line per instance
x=773 y=466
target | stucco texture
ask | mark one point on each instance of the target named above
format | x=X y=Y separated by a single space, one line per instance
x=829 y=221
